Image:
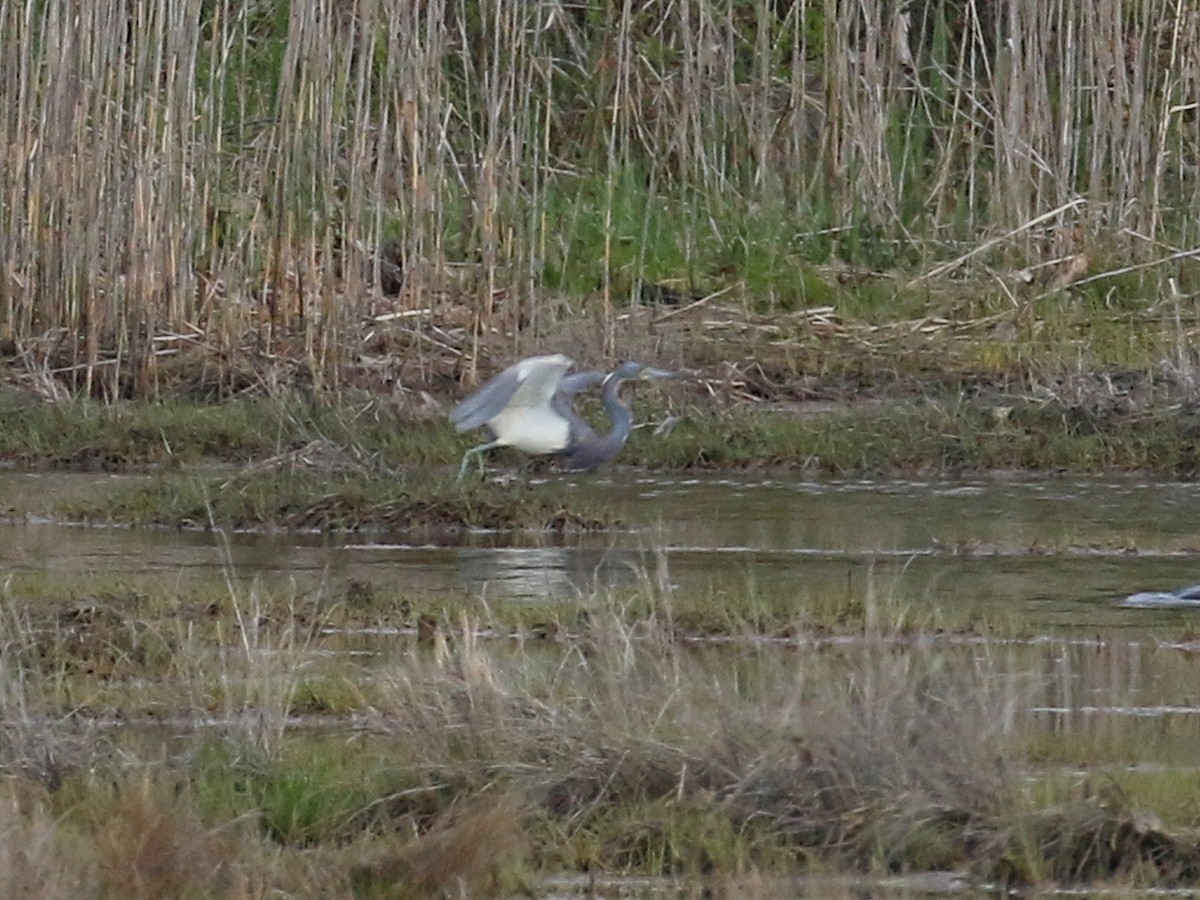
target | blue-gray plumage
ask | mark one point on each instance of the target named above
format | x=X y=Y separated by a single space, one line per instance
x=529 y=406
x=589 y=450
x=563 y=401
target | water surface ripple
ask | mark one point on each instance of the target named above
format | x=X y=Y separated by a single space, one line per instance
x=1058 y=553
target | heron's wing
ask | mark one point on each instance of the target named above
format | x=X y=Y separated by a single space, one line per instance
x=530 y=382
x=580 y=381
x=478 y=408
x=539 y=377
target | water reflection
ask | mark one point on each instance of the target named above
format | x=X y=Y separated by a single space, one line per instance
x=1132 y=694
x=908 y=516
x=1056 y=553
x=1058 y=556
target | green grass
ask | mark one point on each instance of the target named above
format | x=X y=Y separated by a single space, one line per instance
x=166 y=432
x=320 y=790
x=938 y=435
x=178 y=432
x=330 y=502
x=320 y=466
x=764 y=255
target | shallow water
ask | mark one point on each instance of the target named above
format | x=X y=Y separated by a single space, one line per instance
x=1058 y=557
x=1054 y=554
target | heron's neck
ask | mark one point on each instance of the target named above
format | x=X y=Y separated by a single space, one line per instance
x=619 y=413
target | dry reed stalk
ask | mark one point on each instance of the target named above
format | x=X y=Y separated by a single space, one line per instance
x=227 y=169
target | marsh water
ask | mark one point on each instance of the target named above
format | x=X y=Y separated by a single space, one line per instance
x=1057 y=557
x=1054 y=557
x=1057 y=554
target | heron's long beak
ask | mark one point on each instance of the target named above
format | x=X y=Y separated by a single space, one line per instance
x=650 y=372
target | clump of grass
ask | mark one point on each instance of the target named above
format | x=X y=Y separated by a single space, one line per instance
x=1096 y=834
x=149 y=842
x=38 y=856
x=473 y=848
x=327 y=501
x=319 y=791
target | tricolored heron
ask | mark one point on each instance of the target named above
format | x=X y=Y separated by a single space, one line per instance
x=529 y=406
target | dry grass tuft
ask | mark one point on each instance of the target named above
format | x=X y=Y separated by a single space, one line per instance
x=39 y=859
x=148 y=843
x=468 y=852
x=850 y=756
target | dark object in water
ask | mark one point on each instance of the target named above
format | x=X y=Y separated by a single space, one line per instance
x=1185 y=596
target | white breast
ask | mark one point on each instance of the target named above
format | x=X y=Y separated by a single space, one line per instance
x=531 y=430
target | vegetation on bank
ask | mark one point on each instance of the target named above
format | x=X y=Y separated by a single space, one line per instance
x=294 y=462
x=257 y=756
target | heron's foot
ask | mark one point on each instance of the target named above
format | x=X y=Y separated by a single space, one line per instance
x=466 y=462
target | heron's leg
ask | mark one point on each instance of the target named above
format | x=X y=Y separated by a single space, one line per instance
x=475 y=451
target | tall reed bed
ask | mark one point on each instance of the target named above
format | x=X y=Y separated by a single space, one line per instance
x=204 y=171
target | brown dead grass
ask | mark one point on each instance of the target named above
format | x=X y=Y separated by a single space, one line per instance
x=40 y=859
x=734 y=357
x=619 y=747
x=468 y=851
x=149 y=843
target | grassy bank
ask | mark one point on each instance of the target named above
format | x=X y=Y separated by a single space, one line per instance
x=255 y=757
x=365 y=457
x=1067 y=391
